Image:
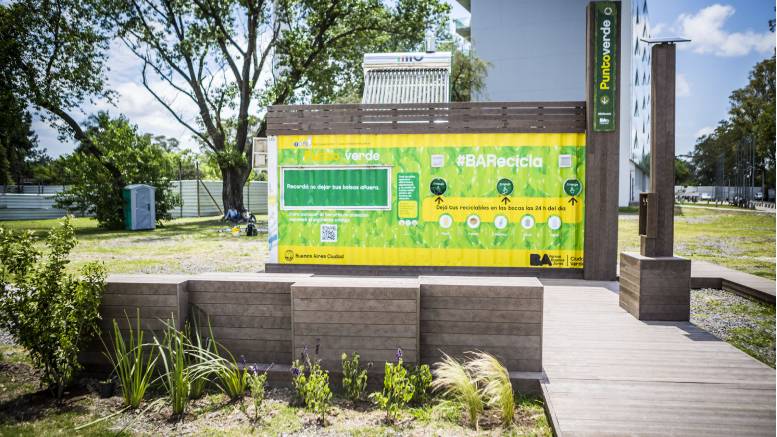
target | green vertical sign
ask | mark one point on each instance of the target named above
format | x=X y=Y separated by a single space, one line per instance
x=605 y=65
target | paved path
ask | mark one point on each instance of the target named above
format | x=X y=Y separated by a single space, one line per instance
x=610 y=374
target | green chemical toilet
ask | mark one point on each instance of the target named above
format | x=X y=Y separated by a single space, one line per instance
x=139 y=210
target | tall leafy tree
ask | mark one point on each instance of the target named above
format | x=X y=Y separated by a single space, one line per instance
x=752 y=114
x=54 y=55
x=19 y=150
x=468 y=72
x=751 y=121
x=231 y=58
x=140 y=160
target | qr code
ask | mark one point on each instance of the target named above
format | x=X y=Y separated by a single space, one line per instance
x=328 y=233
x=564 y=161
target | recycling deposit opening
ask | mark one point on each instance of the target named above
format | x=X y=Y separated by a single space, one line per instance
x=480 y=200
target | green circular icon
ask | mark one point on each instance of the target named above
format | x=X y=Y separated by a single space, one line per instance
x=438 y=186
x=504 y=186
x=573 y=187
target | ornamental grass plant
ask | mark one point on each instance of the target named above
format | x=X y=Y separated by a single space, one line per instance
x=132 y=362
x=494 y=380
x=455 y=381
x=176 y=376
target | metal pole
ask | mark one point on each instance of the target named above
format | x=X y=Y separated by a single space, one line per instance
x=197 y=175
x=180 y=186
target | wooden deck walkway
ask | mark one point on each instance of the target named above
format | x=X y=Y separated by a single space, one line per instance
x=708 y=275
x=610 y=374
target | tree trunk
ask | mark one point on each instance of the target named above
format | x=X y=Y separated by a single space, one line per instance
x=234 y=179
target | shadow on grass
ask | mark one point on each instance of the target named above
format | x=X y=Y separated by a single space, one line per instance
x=40 y=405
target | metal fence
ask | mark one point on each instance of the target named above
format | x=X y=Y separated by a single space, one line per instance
x=35 y=202
x=720 y=193
x=204 y=199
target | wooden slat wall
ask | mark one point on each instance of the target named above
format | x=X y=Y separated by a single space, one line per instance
x=250 y=314
x=160 y=299
x=371 y=316
x=454 y=117
x=269 y=318
x=502 y=316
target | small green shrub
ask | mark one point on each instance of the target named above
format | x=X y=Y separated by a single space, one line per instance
x=397 y=389
x=354 y=377
x=299 y=378
x=47 y=311
x=133 y=365
x=421 y=378
x=176 y=376
x=494 y=379
x=456 y=382
x=256 y=383
x=317 y=392
x=311 y=385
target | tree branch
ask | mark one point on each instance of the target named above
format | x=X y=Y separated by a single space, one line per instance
x=199 y=134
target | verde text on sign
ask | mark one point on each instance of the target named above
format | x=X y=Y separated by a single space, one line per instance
x=605 y=65
x=335 y=187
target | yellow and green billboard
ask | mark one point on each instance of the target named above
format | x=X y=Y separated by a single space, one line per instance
x=480 y=200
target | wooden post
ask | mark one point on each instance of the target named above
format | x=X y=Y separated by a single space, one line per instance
x=655 y=284
x=601 y=158
x=662 y=109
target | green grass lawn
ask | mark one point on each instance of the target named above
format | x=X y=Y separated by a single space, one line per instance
x=743 y=241
x=188 y=245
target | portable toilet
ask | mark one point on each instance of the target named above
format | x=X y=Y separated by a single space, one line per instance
x=139 y=210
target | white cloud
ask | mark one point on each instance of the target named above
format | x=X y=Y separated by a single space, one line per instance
x=706 y=130
x=657 y=29
x=682 y=87
x=707 y=35
x=134 y=101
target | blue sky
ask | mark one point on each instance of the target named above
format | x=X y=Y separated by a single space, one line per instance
x=728 y=39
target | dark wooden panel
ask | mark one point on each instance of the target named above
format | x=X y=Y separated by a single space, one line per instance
x=153 y=300
x=371 y=316
x=601 y=176
x=460 y=117
x=498 y=315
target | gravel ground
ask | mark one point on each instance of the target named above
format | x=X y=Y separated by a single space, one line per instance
x=5 y=338
x=745 y=323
